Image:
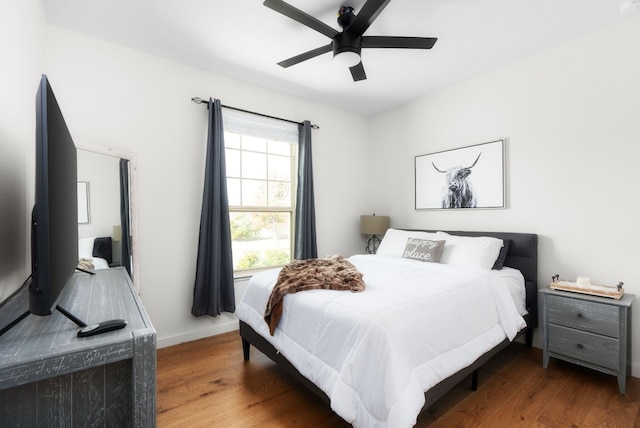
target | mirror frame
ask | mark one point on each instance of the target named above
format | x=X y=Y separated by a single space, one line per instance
x=133 y=198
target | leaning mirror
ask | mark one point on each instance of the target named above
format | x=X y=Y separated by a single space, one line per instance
x=108 y=238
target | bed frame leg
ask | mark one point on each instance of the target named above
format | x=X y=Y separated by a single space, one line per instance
x=474 y=380
x=245 y=349
x=528 y=337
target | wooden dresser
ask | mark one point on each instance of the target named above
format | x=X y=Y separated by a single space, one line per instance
x=51 y=377
x=591 y=331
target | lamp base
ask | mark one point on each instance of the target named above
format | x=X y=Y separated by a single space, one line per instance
x=372 y=244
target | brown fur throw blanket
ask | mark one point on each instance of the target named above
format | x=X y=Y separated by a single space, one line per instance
x=86 y=264
x=331 y=273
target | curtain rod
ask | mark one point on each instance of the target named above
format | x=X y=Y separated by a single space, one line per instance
x=199 y=100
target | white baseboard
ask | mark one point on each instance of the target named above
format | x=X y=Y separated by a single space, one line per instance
x=198 y=334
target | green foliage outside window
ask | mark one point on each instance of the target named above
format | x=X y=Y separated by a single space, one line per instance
x=255 y=259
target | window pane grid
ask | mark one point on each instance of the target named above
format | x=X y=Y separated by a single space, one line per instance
x=265 y=179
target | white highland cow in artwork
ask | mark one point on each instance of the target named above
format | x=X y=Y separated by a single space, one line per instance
x=457 y=191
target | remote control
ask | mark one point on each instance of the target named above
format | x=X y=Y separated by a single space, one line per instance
x=101 y=327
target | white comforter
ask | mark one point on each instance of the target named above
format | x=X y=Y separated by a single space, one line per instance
x=374 y=353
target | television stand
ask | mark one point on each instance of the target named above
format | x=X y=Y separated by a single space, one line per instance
x=72 y=317
x=62 y=310
x=50 y=376
x=66 y=313
x=14 y=323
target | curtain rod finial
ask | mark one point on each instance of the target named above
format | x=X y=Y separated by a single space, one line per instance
x=198 y=100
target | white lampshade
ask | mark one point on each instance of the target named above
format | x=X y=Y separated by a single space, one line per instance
x=347 y=58
x=117 y=233
x=374 y=224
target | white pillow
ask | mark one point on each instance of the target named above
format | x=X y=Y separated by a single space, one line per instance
x=395 y=240
x=85 y=247
x=479 y=251
x=100 y=263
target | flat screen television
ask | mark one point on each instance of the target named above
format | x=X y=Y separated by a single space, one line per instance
x=54 y=220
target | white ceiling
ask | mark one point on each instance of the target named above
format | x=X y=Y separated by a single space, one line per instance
x=244 y=39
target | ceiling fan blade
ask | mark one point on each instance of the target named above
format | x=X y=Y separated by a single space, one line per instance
x=366 y=16
x=301 y=17
x=357 y=72
x=398 y=42
x=305 y=56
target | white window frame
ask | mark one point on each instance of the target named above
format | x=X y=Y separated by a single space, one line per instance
x=255 y=125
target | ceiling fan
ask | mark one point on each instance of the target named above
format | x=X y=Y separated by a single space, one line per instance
x=347 y=44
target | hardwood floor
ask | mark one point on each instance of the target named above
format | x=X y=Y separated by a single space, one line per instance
x=207 y=383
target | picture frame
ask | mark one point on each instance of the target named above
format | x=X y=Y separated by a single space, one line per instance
x=462 y=178
x=83 y=202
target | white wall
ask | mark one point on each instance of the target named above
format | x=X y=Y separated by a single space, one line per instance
x=141 y=104
x=571 y=119
x=22 y=56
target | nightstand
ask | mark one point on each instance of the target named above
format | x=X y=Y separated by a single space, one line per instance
x=591 y=331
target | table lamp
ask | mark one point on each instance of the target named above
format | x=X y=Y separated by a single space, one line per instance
x=373 y=225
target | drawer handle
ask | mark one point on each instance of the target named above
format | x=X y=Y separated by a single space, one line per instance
x=580 y=346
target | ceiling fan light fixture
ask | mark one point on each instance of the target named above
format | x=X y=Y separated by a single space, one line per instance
x=629 y=7
x=347 y=48
x=346 y=58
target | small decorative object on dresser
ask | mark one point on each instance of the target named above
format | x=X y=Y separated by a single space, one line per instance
x=588 y=330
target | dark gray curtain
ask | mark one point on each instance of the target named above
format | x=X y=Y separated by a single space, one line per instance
x=125 y=221
x=213 y=292
x=305 y=246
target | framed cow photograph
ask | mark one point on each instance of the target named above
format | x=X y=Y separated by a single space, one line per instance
x=468 y=177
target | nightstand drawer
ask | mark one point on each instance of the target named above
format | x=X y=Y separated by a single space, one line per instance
x=595 y=349
x=593 y=317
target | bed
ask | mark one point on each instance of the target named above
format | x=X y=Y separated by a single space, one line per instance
x=380 y=356
x=95 y=253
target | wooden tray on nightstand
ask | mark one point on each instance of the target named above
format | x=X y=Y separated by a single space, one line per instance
x=612 y=292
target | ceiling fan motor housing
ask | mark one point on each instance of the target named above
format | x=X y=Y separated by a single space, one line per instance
x=347 y=42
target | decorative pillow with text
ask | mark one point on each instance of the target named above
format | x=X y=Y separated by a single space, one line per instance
x=395 y=240
x=425 y=250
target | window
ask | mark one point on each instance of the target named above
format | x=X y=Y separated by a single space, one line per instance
x=261 y=170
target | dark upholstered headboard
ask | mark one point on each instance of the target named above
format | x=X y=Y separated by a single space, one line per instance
x=522 y=255
x=102 y=248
